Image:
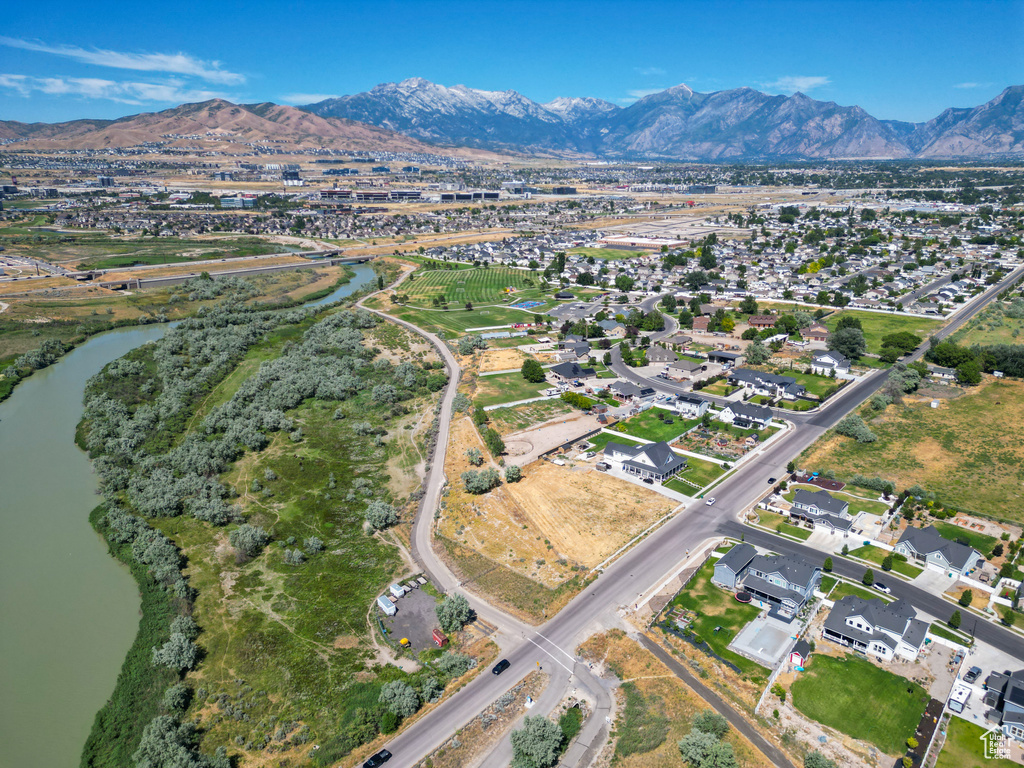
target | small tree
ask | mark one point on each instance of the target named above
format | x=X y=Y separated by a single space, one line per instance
x=381 y=515
x=494 y=442
x=1009 y=616
x=248 y=539
x=757 y=353
x=966 y=598
x=475 y=457
x=887 y=562
x=955 y=619
x=513 y=474
x=536 y=744
x=532 y=371
x=177 y=698
x=846 y=550
x=868 y=578
x=481 y=482
x=177 y=653
x=817 y=760
x=791 y=467
x=710 y=721
x=912 y=743
x=828 y=565
x=453 y=612
x=400 y=698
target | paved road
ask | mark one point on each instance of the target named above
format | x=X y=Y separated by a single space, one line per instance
x=649 y=564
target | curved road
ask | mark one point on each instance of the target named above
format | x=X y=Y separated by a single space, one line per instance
x=646 y=566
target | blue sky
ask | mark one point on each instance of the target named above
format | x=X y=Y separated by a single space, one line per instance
x=898 y=60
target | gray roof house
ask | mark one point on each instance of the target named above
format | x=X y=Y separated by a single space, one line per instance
x=1005 y=694
x=874 y=627
x=625 y=391
x=780 y=582
x=927 y=546
x=569 y=371
x=654 y=460
x=820 y=508
x=658 y=354
x=769 y=384
x=730 y=565
x=745 y=415
x=824 y=363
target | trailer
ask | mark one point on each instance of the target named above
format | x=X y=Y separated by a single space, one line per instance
x=385 y=604
x=440 y=639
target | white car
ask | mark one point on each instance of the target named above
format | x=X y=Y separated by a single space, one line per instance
x=881 y=587
x=710 y=501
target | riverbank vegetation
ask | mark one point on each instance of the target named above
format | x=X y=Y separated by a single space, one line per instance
x=253 y=446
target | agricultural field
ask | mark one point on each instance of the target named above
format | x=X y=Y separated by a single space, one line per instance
x=967 y=452
x=479 y=286
x=716 y=607
x=861 y=700
x=553 y=525
x=877 y=324
x=656 y=708
x=456 y=321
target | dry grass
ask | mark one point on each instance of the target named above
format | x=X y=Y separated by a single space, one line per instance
x=553 y=518
x=664 y=696
x=500 y=360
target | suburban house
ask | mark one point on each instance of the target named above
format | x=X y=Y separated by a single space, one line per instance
x=628 y=392
x=927 y=545
x=613 y=328
x=658 y=354
x=682 y=370
x=679 y=340
x=816 y=332
x=744 y=415
x=875 y=627
x=827 y=363
x=780 y=582
x=820 y=508
x=691 y=406
x=727 y=359
x=1004 y=695
x=569 y=351
x=571 y=371
x=762 y=321
x=767 y=384
x=700 y=324
x=942 y=374
x=654 y=460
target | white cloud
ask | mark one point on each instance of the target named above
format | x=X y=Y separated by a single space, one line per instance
x=177 y=63
x=972 y=85
x=169 y=91
x=639 y=93
x=794 y=83
x=650 y=71
x=307 y=98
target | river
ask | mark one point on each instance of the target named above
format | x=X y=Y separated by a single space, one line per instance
x=68 y=611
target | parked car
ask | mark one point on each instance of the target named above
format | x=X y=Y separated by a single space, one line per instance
x=590 y=454
x=972 y=674
x=882 y=588
x=649 y=481
x=378 y=759
x=710 y=501
x=501 y=666
x=602 y=466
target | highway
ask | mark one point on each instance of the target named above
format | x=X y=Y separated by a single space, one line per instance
x=643 y=568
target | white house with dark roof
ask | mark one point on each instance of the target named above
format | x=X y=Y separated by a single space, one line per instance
x=821 y=509
x=691 y=406
x=655 y=460
x=827 y=363
x=874 y=627
x=745 y=415
x=928 y=547
x=767 y=384
x=1004 y=694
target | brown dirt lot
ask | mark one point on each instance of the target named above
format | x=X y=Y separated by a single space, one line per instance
x=500 y=360
x=553 y=518
x=664 y=696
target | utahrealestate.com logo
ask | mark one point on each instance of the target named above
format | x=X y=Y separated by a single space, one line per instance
x=996 y=743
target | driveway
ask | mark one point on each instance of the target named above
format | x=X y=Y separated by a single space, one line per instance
x=934 y=581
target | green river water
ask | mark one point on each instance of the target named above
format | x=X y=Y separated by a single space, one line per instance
x=68 y=611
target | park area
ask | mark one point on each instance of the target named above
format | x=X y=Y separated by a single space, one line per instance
x=968 y=453
x=877 y=324
x=717 y=617
x=861 y=700
x=483 y=286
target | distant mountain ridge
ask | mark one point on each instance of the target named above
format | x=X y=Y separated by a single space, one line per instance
x=680 y=123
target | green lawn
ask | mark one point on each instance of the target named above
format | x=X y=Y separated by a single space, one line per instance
x=857 y=505
x=599 y=441
x=649 y=425
x=484 y=286
x=965 y=749
x=861 y=700
x=827 y=582
x=506 y=388
x=845 y=588
x=815 y=385
x=719 y=388
x=876 y=325
x=980 y=541
x=607 y=254
x=781 y=524
x=943 y=630
x=456 y=321
x=698 y=471
x=716 y=607
x=797 y=405
x=876 y=556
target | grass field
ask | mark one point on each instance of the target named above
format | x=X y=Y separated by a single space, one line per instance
x=649 y=425
x=990 y=326
x=480 y=286
x=845 y=588
x=857 y=505
x=606 y=254
x=702 y=472
x=876 y=556
x=861 y=700
x=507 y=420
x=720 y=388
x=815 y=385
x=456 y=321
x=876 y=325
x=599 y=441
x=781 y=524
x=965 y=749
x=718 y=608
x=943 y=630
x=968 y=452
x=980 y=541
x=506 y=388
x=827 y=582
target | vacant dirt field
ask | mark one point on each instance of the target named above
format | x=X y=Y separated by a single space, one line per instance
x=500 y=360
x=968 y=452
x=553 y=519
x=527 y=445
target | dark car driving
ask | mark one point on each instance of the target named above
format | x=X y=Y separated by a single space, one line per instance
x=373 y=761
x=501 y=666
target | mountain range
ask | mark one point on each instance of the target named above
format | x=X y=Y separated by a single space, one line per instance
x=680 y=123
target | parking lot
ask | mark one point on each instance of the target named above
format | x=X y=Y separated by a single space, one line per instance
x=414 y=620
